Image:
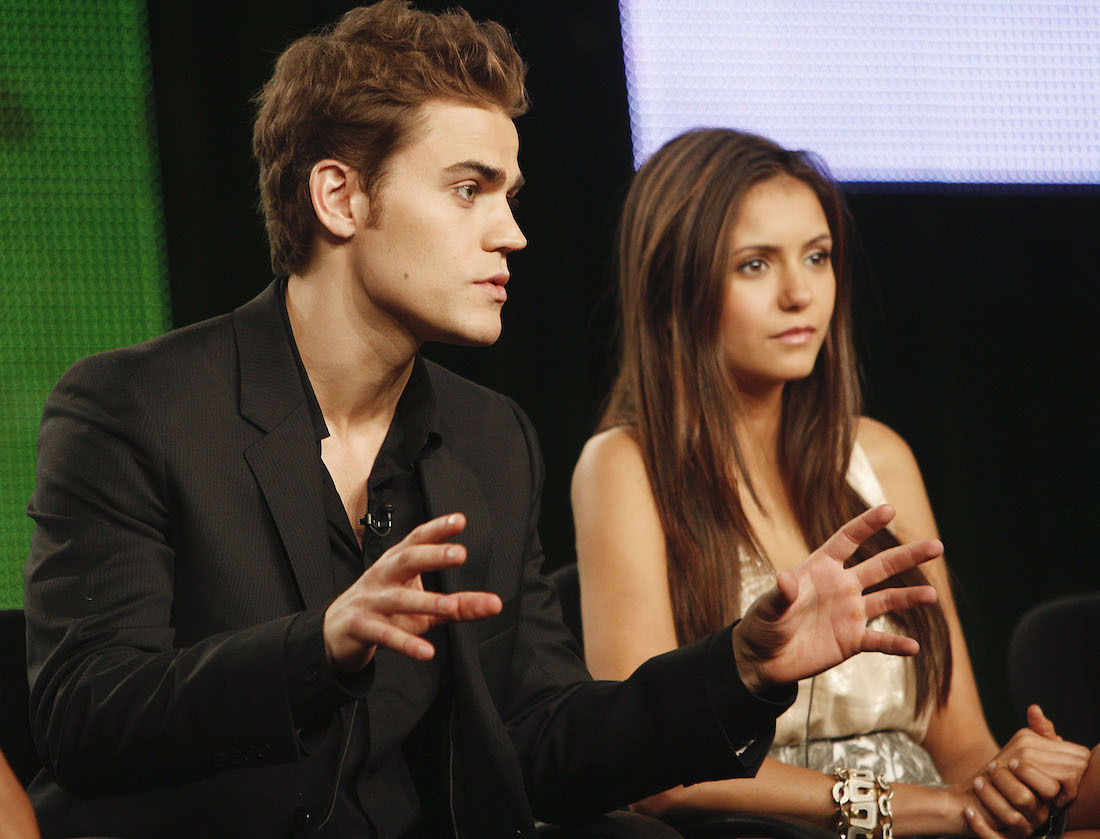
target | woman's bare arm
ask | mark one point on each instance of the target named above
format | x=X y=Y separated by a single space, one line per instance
x=958 y=736
x=627 y=615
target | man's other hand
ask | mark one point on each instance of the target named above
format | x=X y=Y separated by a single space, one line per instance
x=816 y=615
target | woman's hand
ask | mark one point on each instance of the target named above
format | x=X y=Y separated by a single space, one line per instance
x=1008 y=801
x=1036 y=772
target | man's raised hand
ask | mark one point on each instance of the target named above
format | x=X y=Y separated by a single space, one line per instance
x=816 y=615
x=388 y=605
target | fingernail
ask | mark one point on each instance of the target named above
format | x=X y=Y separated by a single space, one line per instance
x=452 y=519
x=452 y=552
x=969 y=812
x=992 y=765
x=978 y=783
x=1013 y=764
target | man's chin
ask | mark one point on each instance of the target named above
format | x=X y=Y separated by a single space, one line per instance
x=470 y=335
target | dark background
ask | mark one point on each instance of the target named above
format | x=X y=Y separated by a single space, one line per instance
x=978 y=310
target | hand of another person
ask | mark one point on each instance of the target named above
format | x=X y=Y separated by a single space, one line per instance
x=816 y=616
x=388 y=605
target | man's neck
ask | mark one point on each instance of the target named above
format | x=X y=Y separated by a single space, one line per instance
x=357 y=365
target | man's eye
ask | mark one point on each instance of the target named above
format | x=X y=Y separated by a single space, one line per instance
x=467 y=192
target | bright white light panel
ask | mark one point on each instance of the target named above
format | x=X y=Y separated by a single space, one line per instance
x=981 y=91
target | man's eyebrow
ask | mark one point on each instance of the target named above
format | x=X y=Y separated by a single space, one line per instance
x=493 y=175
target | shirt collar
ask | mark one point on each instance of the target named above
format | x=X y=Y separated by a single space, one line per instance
x=414 y=431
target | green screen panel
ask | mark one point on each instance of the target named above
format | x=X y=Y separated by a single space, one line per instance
x=82 y=264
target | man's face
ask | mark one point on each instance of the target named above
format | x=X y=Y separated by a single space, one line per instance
x=433 y=257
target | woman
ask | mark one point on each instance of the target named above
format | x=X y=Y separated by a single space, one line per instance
x=16 y=816
x=732 y=443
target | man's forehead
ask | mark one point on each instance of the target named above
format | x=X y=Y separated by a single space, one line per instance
x=453 y=135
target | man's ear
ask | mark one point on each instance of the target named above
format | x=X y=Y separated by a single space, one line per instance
x=337 y=197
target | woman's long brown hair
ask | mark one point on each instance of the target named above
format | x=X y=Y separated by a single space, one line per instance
x=673 y=392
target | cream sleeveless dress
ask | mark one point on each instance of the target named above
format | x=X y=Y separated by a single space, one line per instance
x=861 y=713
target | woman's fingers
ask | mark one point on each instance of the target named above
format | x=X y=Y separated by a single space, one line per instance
x=1011 y=820
x=1043 y=785
x=1037 y=721
x=979 y=822
x=1020 y=796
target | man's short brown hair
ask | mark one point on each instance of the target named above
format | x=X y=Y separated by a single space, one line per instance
x=351 y=93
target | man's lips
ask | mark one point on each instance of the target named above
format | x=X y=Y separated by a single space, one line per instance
x=495 y=286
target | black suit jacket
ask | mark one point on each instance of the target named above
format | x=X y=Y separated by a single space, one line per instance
x=176 y=545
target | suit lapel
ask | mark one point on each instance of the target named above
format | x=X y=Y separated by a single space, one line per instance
x=284 y=460
x=449 y=487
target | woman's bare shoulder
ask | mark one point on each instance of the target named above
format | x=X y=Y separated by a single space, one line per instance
x=896 y=469
x=614 y=451
x=611 y=493
x=887 y=450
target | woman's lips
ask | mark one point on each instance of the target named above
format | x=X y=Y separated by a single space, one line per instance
x=796 y=335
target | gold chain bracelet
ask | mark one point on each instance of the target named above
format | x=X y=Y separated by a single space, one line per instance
x=863 y=805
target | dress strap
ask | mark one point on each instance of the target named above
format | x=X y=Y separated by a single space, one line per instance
x=862 y=478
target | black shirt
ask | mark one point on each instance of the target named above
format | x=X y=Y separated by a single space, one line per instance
x=392 y=780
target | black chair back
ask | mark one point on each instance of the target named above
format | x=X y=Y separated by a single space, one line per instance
x=15 y=726
x=1054 y=660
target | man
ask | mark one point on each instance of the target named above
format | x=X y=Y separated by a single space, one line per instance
x=285 y=578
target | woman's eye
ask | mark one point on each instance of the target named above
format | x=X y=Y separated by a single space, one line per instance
x=753 y=266
x=467 y=192
x=819 y=258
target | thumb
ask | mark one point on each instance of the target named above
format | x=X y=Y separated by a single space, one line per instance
x=771 y=605
x=787 y=585
x=1038 y=722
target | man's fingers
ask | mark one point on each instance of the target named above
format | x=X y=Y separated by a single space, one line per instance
x=886 y=642
x=897 y=599
x=401 y=564
x=393 y=637
x=787 y=584
x=770 y=606
x=437 y=530
x=475 y=605
x=844 y=542
x=893 y=561
x=438 y=608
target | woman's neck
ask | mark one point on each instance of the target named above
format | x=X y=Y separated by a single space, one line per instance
x=757 y=426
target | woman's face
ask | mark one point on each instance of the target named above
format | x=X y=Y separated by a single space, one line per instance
x=781 y=287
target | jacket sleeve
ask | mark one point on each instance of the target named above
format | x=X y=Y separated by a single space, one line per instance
x=115 y=705
x=587 y=747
